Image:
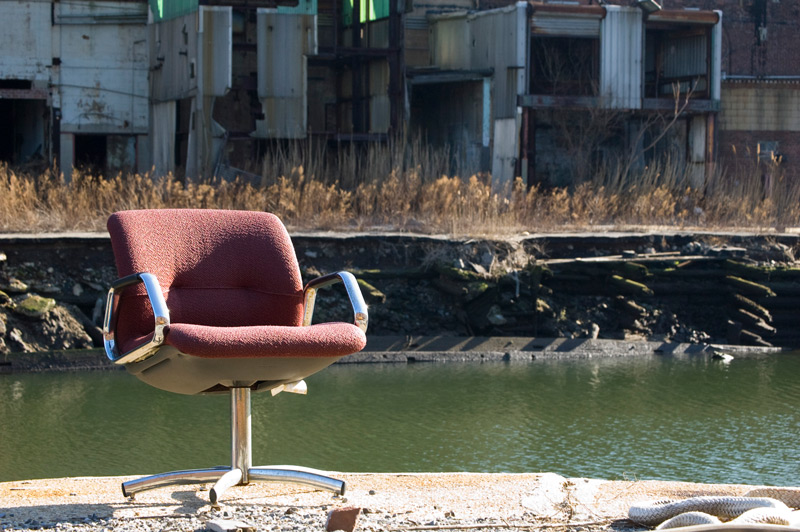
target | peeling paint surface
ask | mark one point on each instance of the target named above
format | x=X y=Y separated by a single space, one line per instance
x=104 y=87
x=25 y=41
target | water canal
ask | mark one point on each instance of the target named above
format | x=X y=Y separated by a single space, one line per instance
x=693 y=419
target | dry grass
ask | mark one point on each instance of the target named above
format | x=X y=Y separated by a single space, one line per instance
x=406 y=187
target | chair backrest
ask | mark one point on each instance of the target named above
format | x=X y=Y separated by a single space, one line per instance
x=215 y=267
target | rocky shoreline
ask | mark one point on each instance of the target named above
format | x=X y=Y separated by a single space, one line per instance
x=668 y=287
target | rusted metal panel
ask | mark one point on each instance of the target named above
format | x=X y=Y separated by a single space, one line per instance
x=566 y=21
x=284 y=42
x=569 y=9
x=215 y=49
x=561 y=26
x=26 y=41
x=494 y=39
x=686 y=16
x=103 y=84
x=621 y=50
x=684 y=56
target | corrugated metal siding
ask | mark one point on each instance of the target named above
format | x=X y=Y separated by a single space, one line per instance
x=216 y=46
x=621 y=58
x=173 y=49
x=284 y=41
x=26 y=41
x=685 y=56
x=492 y=39
x=565 y=24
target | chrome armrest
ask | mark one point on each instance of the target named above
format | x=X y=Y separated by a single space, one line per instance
x=361 y=316
x=160 y=314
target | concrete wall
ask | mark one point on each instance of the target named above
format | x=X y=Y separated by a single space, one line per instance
x=26 y=41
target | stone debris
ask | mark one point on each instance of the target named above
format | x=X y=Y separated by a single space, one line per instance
x=343 y=519
x=34 y=306
x=230 y=525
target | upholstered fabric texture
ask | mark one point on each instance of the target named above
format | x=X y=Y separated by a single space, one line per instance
x=231 y=282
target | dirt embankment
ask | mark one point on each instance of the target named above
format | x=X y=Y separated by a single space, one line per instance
x=678 y=287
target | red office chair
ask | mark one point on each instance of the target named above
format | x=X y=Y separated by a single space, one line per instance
x=212 y=302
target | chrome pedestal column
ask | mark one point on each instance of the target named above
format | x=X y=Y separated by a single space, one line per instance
x=241 y=471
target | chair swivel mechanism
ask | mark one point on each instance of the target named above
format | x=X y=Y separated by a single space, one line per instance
x=212 y=302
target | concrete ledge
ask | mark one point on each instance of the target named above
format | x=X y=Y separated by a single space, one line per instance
x=411 y=349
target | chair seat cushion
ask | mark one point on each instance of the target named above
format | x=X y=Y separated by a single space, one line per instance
x=320 y=340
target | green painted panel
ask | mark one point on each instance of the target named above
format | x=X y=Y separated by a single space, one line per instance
x=377 y=9
x=303 y=7
x=167 y=9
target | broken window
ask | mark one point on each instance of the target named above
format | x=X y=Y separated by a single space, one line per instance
x=677 y=62
x=565 y=66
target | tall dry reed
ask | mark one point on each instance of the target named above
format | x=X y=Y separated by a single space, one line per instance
x=406 y=186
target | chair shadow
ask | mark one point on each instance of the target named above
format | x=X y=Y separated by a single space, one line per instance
x=181 y=503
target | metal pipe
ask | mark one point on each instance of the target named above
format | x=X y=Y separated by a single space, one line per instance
x=189 y=476
x=241 y=434
x=297 y=475
x=759 y=78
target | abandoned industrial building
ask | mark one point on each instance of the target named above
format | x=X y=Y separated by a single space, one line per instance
x=545 y=91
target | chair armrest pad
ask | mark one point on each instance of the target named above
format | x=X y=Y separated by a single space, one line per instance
x=360 y=313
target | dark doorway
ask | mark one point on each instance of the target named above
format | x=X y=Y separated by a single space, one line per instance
x=22 y=130
x=90 y=152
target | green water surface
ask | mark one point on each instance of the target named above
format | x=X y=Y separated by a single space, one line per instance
x=691 y=419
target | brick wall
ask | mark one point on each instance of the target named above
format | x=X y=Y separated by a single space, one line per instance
x=740 y=149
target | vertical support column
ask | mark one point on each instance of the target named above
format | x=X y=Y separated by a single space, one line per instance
x=241 y=437
x=711 y=143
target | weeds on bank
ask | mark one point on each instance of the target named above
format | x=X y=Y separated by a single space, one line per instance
x=407 y=188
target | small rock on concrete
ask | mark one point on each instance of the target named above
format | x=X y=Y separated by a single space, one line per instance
x=229 y=525
x=342 y=519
